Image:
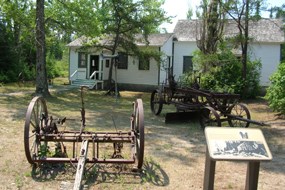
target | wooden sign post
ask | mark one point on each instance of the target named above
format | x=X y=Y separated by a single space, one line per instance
x=235 y=144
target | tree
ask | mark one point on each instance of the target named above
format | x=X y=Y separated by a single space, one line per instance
x=242 y=12
x=63 y=19
x=118 y=20
x=278 y=11
x=126 y=22
x=41 y=74
x=213 y=62
x=212 y=26
x=75 y=18
x=17 y=49
x=189 y=13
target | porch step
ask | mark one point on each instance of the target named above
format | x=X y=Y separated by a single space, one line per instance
x=86 y=82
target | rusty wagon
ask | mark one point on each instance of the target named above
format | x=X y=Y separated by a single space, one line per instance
x=213 y=108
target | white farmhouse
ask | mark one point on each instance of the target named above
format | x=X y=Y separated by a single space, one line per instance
x=89 y=67
x=266 y=37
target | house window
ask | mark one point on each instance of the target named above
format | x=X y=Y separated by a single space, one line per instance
x=82 y=60
x=107 y=63
x=187 y=64
x=122 y=61
x=144 y=63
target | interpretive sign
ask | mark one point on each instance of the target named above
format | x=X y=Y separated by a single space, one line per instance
x=237 y=144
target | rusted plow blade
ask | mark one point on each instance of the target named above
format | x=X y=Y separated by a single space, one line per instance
x=182 y=117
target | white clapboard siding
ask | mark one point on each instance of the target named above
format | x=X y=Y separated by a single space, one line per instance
x=182 y=49
x=269 y=55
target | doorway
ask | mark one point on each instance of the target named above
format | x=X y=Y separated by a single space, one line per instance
x=94 y=66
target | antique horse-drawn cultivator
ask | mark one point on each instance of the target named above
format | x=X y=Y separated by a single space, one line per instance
x=43 y=131
x=212 y=108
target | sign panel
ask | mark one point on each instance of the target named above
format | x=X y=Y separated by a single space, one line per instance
x=225 y=143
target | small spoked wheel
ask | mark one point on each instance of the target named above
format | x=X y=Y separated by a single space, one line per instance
x=138 y=127
x=156 y=102
x=35 y=117
x=239 y=111
x=209 y=117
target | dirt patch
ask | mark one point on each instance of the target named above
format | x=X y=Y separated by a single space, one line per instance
x=174 y=153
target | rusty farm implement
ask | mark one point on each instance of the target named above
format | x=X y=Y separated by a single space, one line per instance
x=212 y=108
x=43 y=131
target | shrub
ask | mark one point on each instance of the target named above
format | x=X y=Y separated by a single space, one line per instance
x=253 y=76
x=56 y=68
x=276 y=91
x=222 y=72
x=28 y=72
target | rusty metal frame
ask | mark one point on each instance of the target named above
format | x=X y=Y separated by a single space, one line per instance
x=40 y=130
x=222 y=106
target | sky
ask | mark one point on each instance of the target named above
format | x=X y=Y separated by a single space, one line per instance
x=179 y=8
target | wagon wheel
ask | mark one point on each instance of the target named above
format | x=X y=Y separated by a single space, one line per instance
x=138 y=127
x=239 y=110
x=35 y=118
x=156 y=102
x=209 y=117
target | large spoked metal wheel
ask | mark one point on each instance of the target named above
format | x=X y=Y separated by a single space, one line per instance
x=156 y=102
x=138 y=127
x=239 y=111
x=35 y=117
x=209 y=117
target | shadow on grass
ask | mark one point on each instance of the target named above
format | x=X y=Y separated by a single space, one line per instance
x=114 y=174
x=48 y=171
x=103 y=174
x=154 y=174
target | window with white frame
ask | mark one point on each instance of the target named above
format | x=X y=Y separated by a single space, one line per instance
x=123 y=61
x=82 y=60
x=187 y=64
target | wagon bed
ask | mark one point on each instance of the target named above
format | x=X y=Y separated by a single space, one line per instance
x=213 y=107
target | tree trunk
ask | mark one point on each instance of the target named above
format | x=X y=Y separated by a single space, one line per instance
x=244 y=49
x=41 y=74
x=212 y=27
x=114 y=64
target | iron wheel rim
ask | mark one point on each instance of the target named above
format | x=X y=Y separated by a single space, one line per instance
x=139 y=131
x=242 y=111
x=34 y=118
x=156 y=102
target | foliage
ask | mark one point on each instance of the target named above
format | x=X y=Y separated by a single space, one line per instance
x=212 y=26
x=69 y=18
x=56 y=68
x=126 y=22
x=17 y=42
x=276 y=92
x=241 y=12
x=44 y=150
x=277 y=12
x=221 y=72
x=189 y=13
x=15 y=39
x=57 y=59
x=65 y=19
